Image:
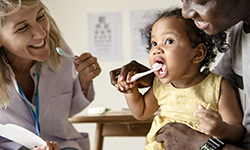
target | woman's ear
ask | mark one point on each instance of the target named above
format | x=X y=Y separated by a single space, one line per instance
x=200 y=53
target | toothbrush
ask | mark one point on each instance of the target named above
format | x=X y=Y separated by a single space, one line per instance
x=155 y=67
x=61 y=52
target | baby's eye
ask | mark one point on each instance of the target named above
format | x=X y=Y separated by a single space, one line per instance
x=153 y=44
x=169 y=41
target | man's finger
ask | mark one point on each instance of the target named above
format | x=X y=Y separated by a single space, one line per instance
x=159 y=138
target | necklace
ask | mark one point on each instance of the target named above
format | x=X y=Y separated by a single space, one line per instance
x=35 y=115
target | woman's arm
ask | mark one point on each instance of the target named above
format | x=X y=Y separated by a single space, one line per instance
x=86 y=65
x=88 y=68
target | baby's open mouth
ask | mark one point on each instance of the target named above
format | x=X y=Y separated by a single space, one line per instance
x=163 y=70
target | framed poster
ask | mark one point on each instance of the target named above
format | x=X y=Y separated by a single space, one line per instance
x=105 y=36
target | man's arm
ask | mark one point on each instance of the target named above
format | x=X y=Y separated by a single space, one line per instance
x=231 y=147
x=179 y=136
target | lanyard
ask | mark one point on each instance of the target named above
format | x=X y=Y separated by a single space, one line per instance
x=34 y=114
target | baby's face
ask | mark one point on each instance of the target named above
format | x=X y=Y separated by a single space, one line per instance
x=172 y=47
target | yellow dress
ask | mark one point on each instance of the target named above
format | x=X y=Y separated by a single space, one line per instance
x=179 y=105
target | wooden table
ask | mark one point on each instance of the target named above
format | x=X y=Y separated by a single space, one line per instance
x=114 y=123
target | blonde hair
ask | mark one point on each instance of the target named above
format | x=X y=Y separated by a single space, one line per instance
x=8 y=7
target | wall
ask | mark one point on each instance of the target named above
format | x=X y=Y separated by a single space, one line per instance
x=71 y=17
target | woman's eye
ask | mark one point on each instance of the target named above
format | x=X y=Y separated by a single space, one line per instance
x=40 y=17
x=153 y=44
x=169 y=41
x=21 y=29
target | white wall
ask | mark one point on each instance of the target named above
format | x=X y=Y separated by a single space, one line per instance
x=71 y=17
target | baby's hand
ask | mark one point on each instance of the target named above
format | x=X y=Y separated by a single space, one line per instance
x=123 y=83
x=125 y=73
x=210 y=121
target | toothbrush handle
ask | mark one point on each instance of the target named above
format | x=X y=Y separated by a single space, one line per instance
x=70 y=57
x=139 y=75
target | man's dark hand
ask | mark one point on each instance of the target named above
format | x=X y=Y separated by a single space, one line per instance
x=178 y=136
x=126 y=71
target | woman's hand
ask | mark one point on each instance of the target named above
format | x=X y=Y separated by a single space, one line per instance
x=88 y=68
x=49 y=146
x=120 y=78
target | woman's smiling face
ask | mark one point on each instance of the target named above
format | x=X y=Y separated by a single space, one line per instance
x=25 y=35
x=214 y=16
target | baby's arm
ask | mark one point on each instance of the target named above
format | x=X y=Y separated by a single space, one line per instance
x=226 y=124
x=141 y=106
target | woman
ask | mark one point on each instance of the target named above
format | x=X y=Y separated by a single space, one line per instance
x=39 y=89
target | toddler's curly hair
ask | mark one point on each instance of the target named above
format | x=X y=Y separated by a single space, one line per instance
x=212 y=42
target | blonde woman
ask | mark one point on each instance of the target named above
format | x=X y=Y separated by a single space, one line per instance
x=39 y=89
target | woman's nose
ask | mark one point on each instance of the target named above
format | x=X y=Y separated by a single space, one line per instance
x=187 y=11
x=38 y=32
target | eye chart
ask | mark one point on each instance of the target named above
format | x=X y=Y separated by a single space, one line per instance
x=105 y=37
